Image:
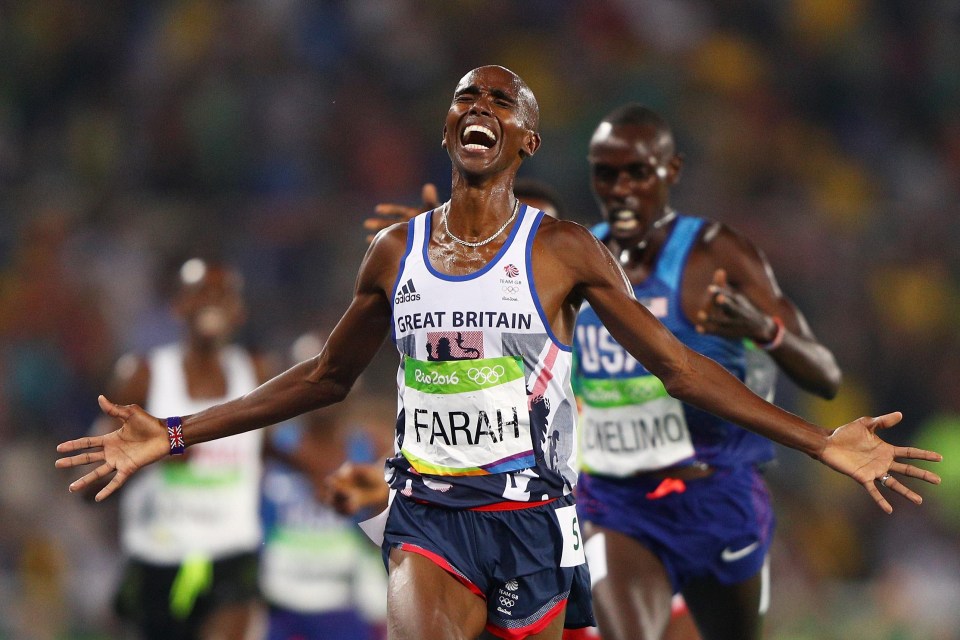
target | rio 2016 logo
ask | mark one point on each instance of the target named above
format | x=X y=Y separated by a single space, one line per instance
x=434 y=377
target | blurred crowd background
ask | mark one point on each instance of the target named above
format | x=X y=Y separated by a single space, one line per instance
x=135 y=133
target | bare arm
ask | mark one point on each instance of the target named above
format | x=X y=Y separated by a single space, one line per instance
x=312 y=384
x=742 y=300
x=852 y=449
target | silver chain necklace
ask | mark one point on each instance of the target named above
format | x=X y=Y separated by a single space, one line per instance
x=640 y=246
x=446 y=228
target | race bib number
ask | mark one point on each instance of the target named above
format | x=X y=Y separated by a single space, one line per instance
x=631 y=425
x=573 y=554
x=466 y=417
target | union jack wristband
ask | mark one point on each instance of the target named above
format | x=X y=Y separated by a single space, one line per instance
x=175 y=435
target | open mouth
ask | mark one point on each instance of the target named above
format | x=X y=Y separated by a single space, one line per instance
x=624 y=220
x=477 y=138
x=211 y=321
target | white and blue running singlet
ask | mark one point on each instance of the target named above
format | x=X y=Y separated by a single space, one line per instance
x=485 y=407
x=629 y=424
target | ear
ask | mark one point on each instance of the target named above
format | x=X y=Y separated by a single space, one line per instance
x=675 y=165
x=443 y=140
x=530 y=143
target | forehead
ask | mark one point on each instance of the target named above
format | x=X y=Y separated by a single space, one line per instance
x=490 y=78
x=628 y=141
x=211 y=278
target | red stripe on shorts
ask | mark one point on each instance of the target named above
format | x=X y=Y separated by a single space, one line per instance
x=441 y=562
x=522 y=632
x=511 y=506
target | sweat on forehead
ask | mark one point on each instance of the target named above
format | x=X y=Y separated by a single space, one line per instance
x=529 y=110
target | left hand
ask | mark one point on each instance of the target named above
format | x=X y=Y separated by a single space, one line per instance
x=855 y=450
x=731 y=314
x=140 y=440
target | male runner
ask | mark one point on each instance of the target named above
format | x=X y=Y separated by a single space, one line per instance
x=672 y=498
x=483 y=536
x=190 y=526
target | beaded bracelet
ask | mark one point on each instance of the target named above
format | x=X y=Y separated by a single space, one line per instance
x=777 y=337
x=175 y=435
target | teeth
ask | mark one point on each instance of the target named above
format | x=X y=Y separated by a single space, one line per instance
x=476 y=128
x=624 y=219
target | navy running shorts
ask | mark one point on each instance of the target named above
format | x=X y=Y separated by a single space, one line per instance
x=720 y=526
x=513 y=559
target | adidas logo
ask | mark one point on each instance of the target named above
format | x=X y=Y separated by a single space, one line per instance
x=407 y=293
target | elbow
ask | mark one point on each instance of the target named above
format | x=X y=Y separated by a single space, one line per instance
x=678 y=385
x=328 y=391
x=827 y=383
x=328 y=386
x=830 y=386
x=338 y=392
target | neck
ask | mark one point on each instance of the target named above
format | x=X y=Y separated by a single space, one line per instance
x=635 y=250
x=478 y=242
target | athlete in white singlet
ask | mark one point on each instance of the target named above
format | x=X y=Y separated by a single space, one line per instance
x=190 y=527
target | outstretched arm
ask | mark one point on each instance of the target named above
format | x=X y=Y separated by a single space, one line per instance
x=322 y=380
x=743 y=300
x=853 y=449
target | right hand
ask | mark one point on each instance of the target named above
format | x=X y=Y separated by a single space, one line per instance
x=353 y=487
x=140 y=440
x=731 y=314
x=386 y=214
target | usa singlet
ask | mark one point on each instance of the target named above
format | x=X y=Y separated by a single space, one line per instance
x=629 y=423
x=485 y=407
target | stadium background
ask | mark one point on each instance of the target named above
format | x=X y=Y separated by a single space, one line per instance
x=133 y=132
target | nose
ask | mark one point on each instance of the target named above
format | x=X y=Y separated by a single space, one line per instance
x=623 y=184
x=481 y=105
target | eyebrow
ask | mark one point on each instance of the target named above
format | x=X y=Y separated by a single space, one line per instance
x=496 y=93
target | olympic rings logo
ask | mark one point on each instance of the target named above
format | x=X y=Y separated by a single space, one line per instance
x=486 y=375
x=506 y=602
x=511 y=289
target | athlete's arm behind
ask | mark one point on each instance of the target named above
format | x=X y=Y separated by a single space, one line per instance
x=730 y=290
x=311 y=384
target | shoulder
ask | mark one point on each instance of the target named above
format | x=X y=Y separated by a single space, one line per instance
x=383 y=256
x=564 y=235
x=727 y=245
x=570 y=252
x=393 y=237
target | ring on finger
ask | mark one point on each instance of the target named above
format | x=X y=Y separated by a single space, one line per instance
x=884 y=478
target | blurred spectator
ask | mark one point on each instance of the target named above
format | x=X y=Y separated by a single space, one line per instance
x=319 y=574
